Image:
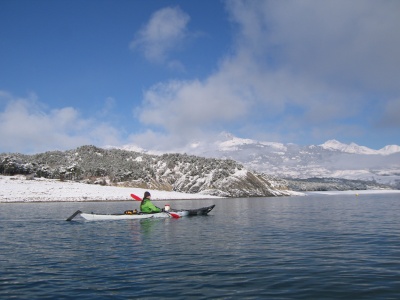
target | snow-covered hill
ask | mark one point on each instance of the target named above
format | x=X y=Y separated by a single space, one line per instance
x=168 y=172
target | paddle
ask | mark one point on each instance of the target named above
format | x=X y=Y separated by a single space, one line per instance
x=174 y=215
x=74 y=215
x=136 y=197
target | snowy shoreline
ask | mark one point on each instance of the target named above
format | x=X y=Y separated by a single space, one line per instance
x=17 y=189
x=353 y=192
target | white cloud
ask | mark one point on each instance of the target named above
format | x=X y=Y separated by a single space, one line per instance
x=308 y=64
x=345 y=42
x=164 y=32
x=185 y=106
x=27 y=126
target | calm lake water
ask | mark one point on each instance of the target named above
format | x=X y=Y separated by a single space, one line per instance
x=313 y=247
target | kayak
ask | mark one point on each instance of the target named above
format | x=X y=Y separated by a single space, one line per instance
x=173 y=213
x=94 y=217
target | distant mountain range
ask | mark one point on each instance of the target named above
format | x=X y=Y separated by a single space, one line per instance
x=229 y=167
x=329 y=160
x=356 y=149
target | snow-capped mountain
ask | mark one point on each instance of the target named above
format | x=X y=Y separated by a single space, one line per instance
x=356 y=149
x=232 y=143
x=331 y=159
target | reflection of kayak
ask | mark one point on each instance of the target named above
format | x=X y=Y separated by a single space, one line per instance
x=174 y=213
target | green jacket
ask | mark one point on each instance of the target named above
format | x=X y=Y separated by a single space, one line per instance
x=147 y=207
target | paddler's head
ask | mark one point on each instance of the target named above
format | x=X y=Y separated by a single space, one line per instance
x=146 y=195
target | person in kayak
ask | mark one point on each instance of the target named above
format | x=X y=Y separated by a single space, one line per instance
x=146 y=206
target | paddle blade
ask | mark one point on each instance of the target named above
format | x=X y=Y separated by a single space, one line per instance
x=74 y=215
x=136 y=197
x=174 y=215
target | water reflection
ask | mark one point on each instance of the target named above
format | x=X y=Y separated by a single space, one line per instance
x=300 y=247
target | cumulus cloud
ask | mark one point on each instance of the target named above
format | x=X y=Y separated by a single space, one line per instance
x=195 y=103
x=26 y=125
x=345 y=42
x=164 y=32
x=311 y=65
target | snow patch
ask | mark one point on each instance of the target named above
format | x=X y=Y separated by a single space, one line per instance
x=19 y=189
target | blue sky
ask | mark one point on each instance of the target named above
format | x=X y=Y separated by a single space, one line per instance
x=164 y=74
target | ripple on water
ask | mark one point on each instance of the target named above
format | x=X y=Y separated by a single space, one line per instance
x=284 y=248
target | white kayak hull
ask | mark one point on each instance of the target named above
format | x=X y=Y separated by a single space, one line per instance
x=171 y=214
x=95 y=217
